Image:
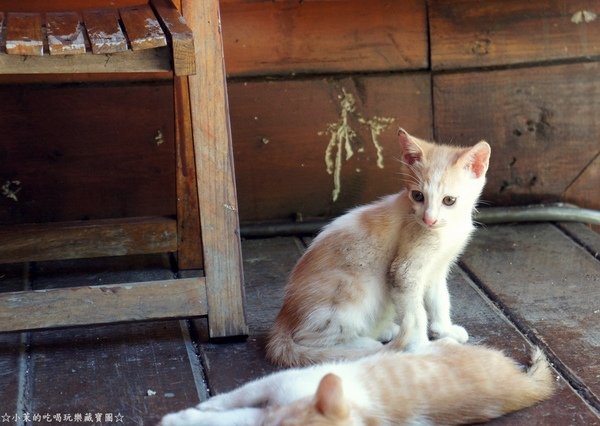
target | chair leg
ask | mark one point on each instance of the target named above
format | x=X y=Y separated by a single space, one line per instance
x=214 y=166
x=189 y=239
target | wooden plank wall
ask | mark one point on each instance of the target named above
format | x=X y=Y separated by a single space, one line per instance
x=85 y=146
x=86 y=151
x=307 y=77
x=521 y=75
x=536 y=100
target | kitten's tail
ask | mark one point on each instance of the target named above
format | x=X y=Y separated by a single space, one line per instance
x=283 y=351
x=541 y=375
x=539 y=383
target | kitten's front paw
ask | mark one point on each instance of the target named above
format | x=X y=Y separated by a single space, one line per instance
x=388 y=334
x=417 y=347
x=216 y=403
x=195 y=417
x=405 y=343
x=189 y=417
x=455 y=332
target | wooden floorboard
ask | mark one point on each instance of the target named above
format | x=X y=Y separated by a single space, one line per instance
x=487 y=325
x=516 y=285
x=11 y=347
x=139 y=371
x=549 y=286
x=267 y=264
x=582 y=235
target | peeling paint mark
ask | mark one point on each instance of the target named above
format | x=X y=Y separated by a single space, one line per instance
x=342 y=139
x=69 y=42
x=583 y=17
x=229 y=207
x=10 y=189
x=265 y=141
x=114 y=39
x=159 y=139
x=12 y=45
x=253 y=260
x=481 y=47
x=377 y=125
x=153 y=26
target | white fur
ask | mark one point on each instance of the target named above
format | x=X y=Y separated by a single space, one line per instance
x=378 y=273
x=445 y=383
x=243 y=406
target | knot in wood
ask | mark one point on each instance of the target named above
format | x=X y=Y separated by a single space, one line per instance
x=481 y=47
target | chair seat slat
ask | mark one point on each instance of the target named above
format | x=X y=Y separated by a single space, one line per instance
x=65 y=33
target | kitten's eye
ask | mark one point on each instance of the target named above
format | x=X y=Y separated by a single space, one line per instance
x=449 y=200
x=417 y=196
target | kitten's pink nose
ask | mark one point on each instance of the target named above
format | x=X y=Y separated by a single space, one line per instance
x=429 y=221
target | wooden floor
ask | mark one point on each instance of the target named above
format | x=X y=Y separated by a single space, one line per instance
x=515 y=285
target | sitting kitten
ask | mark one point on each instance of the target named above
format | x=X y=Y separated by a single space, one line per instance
x=446 y=384
x=384 y=262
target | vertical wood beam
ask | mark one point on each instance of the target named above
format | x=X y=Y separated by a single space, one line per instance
x=189 y=240
x=214 y=166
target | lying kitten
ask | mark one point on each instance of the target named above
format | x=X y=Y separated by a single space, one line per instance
x=446 y=384
x=384 y=262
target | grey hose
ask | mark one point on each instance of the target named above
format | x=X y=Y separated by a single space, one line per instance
x=558 y=212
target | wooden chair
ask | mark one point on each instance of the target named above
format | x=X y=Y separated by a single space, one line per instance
x=205 y=233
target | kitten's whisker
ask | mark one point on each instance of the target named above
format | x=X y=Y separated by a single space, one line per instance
x=407 y=174
x=409 y=178
x=480 y=224
x=411 y=167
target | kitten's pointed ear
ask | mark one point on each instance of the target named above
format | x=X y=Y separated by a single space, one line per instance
x=476 y=159
x=329 y=400
x=411 y=151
